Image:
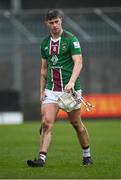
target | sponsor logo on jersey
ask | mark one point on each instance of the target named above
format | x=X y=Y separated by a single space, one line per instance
x=76 y=44
x=54 y=59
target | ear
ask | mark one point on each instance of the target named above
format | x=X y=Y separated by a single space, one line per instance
x=61 y=19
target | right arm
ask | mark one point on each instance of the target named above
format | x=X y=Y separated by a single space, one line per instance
x=43 y=77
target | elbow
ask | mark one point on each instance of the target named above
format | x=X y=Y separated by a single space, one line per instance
x=79 y=64
x=43 y=74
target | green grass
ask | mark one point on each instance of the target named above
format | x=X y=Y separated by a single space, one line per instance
x=21 y=142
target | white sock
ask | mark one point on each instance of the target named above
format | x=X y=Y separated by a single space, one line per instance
x=42 y=156
x=86 y=152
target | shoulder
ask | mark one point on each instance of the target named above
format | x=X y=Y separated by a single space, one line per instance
x=68 y=35
x=45 y=40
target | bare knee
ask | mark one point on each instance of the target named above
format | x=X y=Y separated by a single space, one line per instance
x=78 y=126
x=47 y=125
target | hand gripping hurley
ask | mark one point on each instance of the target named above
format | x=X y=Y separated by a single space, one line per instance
x=68 y=101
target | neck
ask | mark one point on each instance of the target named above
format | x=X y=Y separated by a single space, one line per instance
x=56 y=35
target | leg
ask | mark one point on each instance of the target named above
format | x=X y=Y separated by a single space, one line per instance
x=49 y=113
x=82 y=133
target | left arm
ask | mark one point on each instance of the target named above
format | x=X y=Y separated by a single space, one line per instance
x=75 y=73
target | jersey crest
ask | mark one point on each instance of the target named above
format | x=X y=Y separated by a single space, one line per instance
x=64 y=47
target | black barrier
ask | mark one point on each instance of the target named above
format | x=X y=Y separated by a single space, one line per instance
x=9 y=101
x=69 y=4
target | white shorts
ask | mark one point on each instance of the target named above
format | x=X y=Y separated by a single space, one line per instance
x=52 y=97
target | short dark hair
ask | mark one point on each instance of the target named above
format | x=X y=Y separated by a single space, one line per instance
x=52 y=14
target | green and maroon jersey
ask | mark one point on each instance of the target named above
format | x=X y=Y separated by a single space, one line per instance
x=58 y=55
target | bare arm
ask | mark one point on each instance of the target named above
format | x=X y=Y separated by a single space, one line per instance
x=75 y=73
x=43 y=76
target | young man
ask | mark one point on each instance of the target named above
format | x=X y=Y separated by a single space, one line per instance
x=61 y=65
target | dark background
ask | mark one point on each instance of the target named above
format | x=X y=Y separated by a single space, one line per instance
x=37 y=4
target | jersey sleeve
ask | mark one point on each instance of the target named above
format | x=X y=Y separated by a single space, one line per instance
x=43 y=55
x=75 y=46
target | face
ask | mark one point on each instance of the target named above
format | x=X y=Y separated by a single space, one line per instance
x=55 y=25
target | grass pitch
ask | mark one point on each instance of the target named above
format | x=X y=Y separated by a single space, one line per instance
x=21 y=142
